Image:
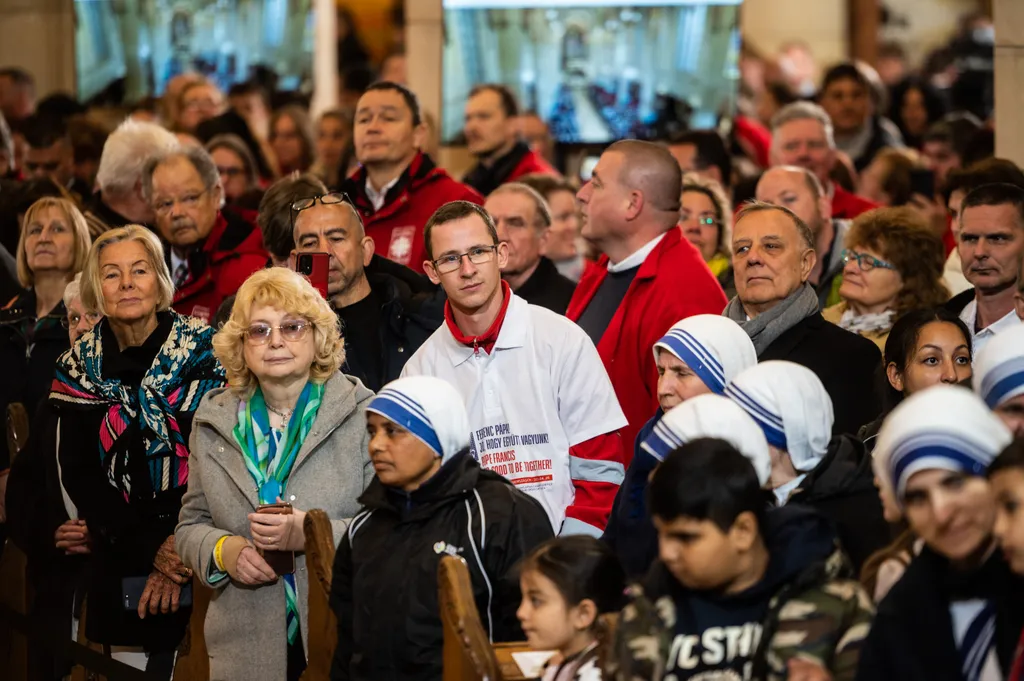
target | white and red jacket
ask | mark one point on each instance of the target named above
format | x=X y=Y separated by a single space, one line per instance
x=541 y=407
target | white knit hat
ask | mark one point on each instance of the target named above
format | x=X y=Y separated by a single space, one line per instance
x=710 y=416
x=430 y=409
x=944 y=427
x=792 y=406
x=714 y=347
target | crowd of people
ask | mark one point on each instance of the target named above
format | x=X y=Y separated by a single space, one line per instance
x=734 y=407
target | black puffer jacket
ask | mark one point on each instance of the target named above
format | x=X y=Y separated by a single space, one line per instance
x=842 y=489
x=384 y=589
x=407 y=319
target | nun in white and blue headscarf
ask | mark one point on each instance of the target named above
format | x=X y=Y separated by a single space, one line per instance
x=809 y=466
x=712 y=416
x=430 y=409
x=959 y=588
x=703 y=416
x=715 y=349
x=390 y=553
x=793 y=408
x=999 y=377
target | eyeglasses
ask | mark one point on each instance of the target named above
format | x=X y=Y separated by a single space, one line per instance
x=328 y=199
x=478 y=255
x=73 y=319
x=865 y=262
x=188 y=202
x=259 y=334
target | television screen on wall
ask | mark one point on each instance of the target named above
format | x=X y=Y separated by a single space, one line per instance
x=139 y=46
x=596 y=70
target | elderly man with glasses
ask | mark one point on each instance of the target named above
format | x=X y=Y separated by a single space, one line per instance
x=384 y=320
x=211 y=250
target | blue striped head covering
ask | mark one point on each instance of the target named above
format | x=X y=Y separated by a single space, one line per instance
x=430 y=409
x=714 y=347
x=944 y=427
x=710 y=416
x=791 y=405
x=999 y=368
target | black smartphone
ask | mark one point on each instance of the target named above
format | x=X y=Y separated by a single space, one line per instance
x=922 y=181
x=132 y=588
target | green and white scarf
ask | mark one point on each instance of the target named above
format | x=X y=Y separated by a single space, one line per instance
x=270 y=462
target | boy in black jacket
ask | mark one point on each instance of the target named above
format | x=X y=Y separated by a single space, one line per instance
x=738 y=592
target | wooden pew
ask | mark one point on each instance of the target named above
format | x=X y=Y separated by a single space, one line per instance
x=322 y=624
x=468 y=653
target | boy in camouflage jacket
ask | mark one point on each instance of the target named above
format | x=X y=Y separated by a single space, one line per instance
x=739 y=592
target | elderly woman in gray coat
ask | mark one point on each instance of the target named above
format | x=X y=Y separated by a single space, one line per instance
x=289 y=434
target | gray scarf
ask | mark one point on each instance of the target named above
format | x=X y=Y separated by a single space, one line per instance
x=767 y=326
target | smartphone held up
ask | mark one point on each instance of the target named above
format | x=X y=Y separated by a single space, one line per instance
x=314 y=267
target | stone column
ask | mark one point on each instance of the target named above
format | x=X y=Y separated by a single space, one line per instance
x=1009 y=95
x=39 y=36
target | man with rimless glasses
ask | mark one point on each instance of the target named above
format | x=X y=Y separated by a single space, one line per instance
x=542 y=410
x=383 y=320
x=211 y=250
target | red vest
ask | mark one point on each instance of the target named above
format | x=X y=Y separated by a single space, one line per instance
x=672 y=284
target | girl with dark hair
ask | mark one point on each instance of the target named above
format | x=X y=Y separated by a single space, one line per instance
x=925 y=347
x=567 y=584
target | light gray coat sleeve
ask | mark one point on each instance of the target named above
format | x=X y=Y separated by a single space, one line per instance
x=196 y=536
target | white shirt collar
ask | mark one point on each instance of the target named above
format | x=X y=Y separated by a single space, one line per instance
x=969 y=316
x=782 y=492
x=377 y=197
x=636 y=259
x=176 y=261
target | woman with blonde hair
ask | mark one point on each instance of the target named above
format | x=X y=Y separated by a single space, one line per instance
x=125 y=396
x=706 y=221
x=52 y=249
x=288 y=434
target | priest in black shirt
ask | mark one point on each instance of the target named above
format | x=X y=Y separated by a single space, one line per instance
x=383 y=320
x=523 y=221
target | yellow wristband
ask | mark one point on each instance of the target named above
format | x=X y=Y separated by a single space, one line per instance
x=217 y=549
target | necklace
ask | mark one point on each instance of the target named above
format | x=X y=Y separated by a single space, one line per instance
x=285 y=415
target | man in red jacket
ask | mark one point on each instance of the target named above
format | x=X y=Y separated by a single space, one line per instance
x=802 y=136
x=210 y=252
x=492 y=135
x=648 y=277
x=398 y=187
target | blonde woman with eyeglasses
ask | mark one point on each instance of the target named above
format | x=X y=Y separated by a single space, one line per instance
x=287 y=436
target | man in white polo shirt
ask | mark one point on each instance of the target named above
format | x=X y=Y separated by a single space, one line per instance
x=991 y=244
x=541 y=407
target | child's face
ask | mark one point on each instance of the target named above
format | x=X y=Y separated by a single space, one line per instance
x=697 y=553
x=548 y=622
x=1008 y=485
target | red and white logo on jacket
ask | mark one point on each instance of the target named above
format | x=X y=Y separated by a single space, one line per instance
x=400 y=248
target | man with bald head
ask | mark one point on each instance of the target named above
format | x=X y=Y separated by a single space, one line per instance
x=799 y=190
x=773 y=256
x=383 y=321
x=647 y=278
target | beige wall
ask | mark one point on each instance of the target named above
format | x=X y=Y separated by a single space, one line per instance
x=1009 y=20
x=38 y=36
x=767 y=24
